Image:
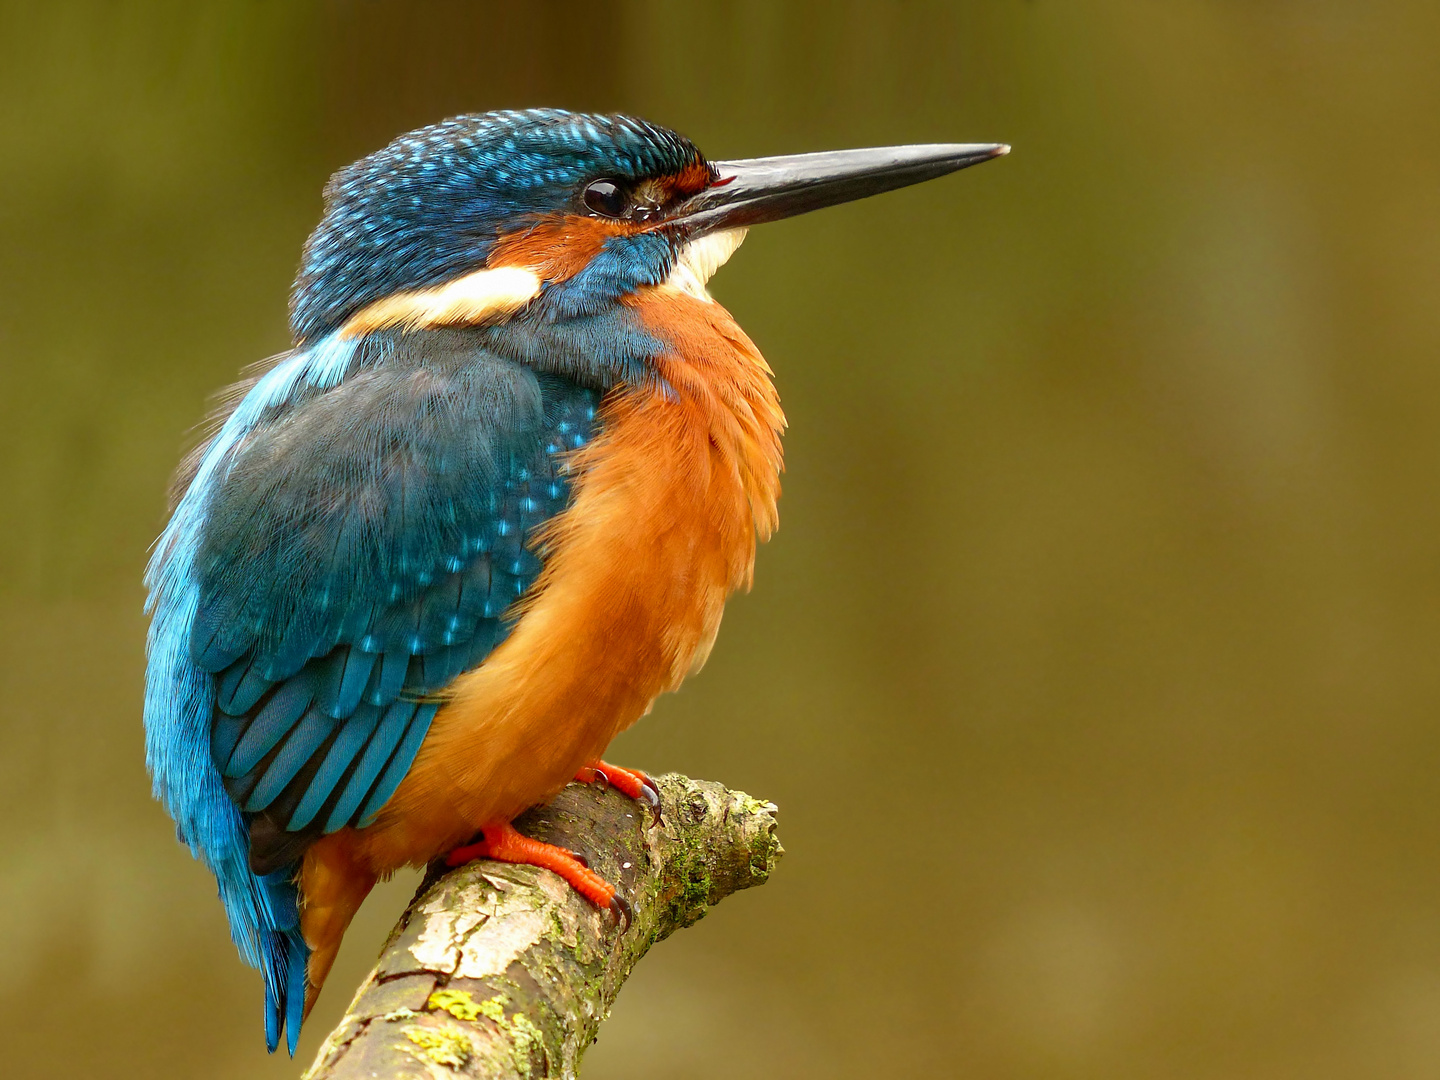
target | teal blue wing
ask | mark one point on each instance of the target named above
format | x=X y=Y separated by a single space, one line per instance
x=361 y=552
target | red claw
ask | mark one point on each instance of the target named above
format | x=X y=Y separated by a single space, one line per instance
x=624 y=914
x=632 y=782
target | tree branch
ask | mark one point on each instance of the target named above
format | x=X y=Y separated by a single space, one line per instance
x=504 y=971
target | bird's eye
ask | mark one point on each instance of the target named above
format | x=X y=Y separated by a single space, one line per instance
x=607 y=198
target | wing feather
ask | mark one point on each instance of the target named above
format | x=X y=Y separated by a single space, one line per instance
x=359 y=553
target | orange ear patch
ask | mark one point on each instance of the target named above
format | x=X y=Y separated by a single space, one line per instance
x=556 y=248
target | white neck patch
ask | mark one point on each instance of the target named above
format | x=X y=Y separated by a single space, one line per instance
x=480 y=297
x=699 y=259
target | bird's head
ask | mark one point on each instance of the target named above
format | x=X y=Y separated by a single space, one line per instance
x=484 y=214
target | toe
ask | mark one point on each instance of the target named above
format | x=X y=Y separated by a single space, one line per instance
x=624 y=914
x=468 y=853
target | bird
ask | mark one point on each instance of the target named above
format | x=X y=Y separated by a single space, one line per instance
x=489 y=506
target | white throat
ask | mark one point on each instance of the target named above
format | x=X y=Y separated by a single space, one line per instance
x=699 y=259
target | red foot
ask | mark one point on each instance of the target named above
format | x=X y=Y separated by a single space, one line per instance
x=632 y=782
x=504 y=844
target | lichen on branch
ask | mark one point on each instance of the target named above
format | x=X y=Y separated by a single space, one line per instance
x=504 y=971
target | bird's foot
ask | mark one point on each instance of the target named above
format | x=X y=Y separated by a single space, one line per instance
x=503 y=843
x=632 y=782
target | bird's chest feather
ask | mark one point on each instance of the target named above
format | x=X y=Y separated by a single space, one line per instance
x=669 y=502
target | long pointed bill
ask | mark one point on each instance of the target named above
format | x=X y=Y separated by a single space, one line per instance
x=767 y=189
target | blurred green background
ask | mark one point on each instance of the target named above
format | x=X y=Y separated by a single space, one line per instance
x=1096 y=665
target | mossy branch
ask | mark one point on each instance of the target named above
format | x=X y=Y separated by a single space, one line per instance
x=503 y=971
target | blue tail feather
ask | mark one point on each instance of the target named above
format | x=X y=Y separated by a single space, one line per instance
x=286 y=955
x=299 y=953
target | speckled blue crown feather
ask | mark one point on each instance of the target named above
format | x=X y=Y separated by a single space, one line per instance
x=428 y=207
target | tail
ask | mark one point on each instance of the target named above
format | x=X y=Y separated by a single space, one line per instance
x=264 y=917
x=293 y=944
x=284 y=957
x=264 y=912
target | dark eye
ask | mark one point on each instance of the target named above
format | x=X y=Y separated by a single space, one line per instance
x=607 y=198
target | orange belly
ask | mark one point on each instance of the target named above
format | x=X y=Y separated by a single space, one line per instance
x=669 y=501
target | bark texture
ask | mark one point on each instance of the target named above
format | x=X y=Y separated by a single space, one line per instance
x=503 y=971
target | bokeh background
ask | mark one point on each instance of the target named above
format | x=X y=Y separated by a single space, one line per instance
x=1096 y=666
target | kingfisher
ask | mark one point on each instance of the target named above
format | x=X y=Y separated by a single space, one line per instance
x=488 y=507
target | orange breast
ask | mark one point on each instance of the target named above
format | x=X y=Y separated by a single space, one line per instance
x=670 y=500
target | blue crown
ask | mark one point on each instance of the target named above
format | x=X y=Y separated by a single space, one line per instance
x=428 y=207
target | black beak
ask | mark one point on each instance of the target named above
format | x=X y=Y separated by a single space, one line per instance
x=767 y=189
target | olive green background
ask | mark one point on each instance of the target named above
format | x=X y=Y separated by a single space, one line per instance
x=1096 y=665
